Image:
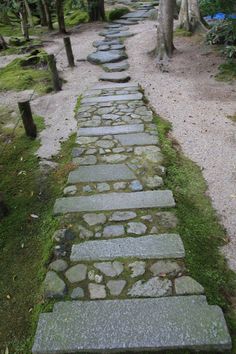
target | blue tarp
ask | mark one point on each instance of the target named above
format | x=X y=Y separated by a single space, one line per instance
x=220 y=16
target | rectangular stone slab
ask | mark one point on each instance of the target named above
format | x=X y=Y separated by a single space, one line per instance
x=101 y=173
x=109 y=130
x=115 y=86
x=146 y=247
x=136 y=139
x=115 y=326
x=115 y=201
x=113 y=98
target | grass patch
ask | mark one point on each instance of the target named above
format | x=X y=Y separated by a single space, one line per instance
x=233 y=118
x=117 y=13
x=227 y=71
x=16 y=77
x=199 y=228
x=78 y=103
x=15 y=28
x=25 y=241
x=181 y=32
x=76 y=17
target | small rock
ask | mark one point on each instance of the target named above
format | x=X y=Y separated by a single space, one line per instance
x=113 y=231
x=153 y=182
x=58 y=266
x=167 y=219
x=98 y=278
x=83 y=140
x=119 y=185
x=77 y=293
x=110 y=269
x=165 y=267
x=63 y=235
x=154 y=287
x=91 y=275
x=105 y=144
x=59 y=251
x=114 y=158
x=76 y=273
x=70 y=190
x=76 y=152
x=97 y=291
x=138 y=268
x=147 y=218
x=116 y=286
x=187 y=286
x=84 y=233
x=54 y=286
x=94 y=219
x=122 y=215
x=136 y=228
x=154 y=230
x=87 y=160
x=91 y=151
x=87 y=189
x=103 y=187
x=136 y=186
x=98 y=234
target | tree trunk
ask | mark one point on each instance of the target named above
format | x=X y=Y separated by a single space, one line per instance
x=165 y=24
x=96 y=10
x=3 y=44
x=42 y=13
x=3 y=207
x=184 y=16
x=60 y=16
x=48 y=14
x=29 y=14
x=24 y=21
x=195 y=20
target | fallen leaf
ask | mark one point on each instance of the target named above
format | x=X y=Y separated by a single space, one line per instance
x=8 y=297
x=34 y=216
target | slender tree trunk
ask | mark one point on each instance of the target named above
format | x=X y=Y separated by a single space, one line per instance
x=96 y=10
x=48 y=14
x=24 y=21
x=102 y=10
x=60 y=16
x=42 y=13
x=165 y=23
x=29 y=14
x=184 y=16
x=3 y=207
x=195 y=19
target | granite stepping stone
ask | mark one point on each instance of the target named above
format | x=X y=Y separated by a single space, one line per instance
x=115 y=77
x=113 y=98
x=100 y=173
x=96 y=44
x=136 y=139
x=115 y=201
x=161 y=246
x=121 y=34
x=109 y=56
x=126 y=22
x=111 y=130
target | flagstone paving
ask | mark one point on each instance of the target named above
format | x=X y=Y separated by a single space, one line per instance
x=117 y=254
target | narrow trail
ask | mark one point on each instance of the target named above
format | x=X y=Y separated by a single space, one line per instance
x=117 y=259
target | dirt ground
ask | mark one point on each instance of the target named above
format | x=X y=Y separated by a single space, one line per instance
x=187 y=95
x=197 y=105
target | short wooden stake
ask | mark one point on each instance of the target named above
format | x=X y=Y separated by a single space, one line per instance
x=69 y=51
x=54 y=72
x=26 y=115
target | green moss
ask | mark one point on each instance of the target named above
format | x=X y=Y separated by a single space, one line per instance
x=77 y=106
x=181 y=32
x=227 y=71
x=17 y=78
x=15 y=28
x=25 y=241
x=117 y=13
x=199 y=227
x=75 y=18
x=233 y=118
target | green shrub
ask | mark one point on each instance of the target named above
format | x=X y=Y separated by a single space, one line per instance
x=230 y=51
x=223 y=32
x=76 y=17
x=210 y=7
x=118 y=13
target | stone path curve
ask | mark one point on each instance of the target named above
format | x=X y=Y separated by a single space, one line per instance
x=117 y=253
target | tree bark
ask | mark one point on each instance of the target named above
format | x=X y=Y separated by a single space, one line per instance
x=195 y=20
x=96 y=10
x=48 y=14
x=42 y=13
x=60 y=16
x=3 y=207
x=165 y=24
x=184 y=16
x=24 y=21
x=29 y=14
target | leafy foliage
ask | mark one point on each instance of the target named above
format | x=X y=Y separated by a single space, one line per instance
x=118 y=13
x=230 y=51
x=210 y=7
x=223 y=32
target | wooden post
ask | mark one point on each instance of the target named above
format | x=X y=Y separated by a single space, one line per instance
x=54 y=72
x=26 y=115
x=69 y=51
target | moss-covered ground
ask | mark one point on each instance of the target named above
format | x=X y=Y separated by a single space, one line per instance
x=25 y=234
x=227 y=71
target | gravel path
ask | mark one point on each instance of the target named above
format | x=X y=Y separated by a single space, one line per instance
x=197 y=105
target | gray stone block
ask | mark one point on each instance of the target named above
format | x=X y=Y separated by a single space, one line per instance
x=137 y=325
x=115 y=201
x=129 y=97
x=111 y=56
x=111 y=130
x=100 y=173
x=119 y=66
x=151 y=247
x=136 y=139
x=115 y=77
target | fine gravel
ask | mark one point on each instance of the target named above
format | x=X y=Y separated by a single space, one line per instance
x=197 y=105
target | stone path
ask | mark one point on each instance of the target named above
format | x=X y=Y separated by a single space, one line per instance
x=117 y=253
